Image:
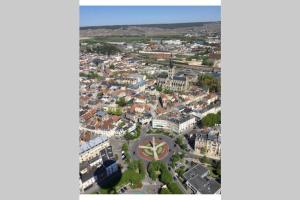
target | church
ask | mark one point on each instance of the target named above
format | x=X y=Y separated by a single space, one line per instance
x=173 y=82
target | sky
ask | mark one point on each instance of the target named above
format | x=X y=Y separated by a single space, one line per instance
x=127 y=15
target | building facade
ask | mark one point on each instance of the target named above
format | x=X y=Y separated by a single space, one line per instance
x=92 y=148
x=179 y=125
x=209 y=143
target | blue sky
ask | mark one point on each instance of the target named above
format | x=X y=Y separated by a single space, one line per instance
x=121 y=15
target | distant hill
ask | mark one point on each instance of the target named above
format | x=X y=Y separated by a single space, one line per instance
x=150 y=29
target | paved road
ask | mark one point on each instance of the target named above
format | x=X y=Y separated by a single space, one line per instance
x=179 y=183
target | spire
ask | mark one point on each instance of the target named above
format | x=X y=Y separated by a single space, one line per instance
x=171 y=65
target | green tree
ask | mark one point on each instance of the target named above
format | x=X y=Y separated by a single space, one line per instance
x=121 y=102
x=180 y=171
x=153 y=168
x=217 y=168
x=164 y=191
x=111 y=66
x=211 y=120
x=204 y=159
x=158 y=88
x=125 y=147
x=208 y=62
x=209 y=82
x=116 y=111
x=166 y=177
x=173 y=187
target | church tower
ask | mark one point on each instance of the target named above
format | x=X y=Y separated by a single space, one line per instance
x=171 y=72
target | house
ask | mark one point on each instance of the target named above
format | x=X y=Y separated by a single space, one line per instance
x=108 y=126
x=208 y=142
x=89 y=114
x=197 y=180
x=146 y=118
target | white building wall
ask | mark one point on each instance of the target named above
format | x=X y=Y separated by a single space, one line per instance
x=165 y=124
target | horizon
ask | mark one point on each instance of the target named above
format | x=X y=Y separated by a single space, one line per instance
x=93 y=16
x=149 y=24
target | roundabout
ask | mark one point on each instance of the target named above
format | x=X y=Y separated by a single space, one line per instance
x=153 y=147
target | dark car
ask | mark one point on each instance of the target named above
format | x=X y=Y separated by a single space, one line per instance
x=122 y=191
x=174 y=177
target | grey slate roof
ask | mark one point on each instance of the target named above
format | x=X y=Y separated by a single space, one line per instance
x=92 y=143
x=197 y=177
x=179 y=78
x=194 y=171
x=205 y=186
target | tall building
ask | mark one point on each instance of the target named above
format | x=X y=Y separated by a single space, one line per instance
x=173 y=82
x=208 y=142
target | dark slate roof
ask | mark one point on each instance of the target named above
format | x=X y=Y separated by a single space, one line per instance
x=109 y=152
x=90 y=174
x=103 y=155
x=108 y=163
x=97 y=61
x=185 y=118
x=84 y=165
x=100 y=113
x=179 y=78
x=197 y=170
x=197 y=177
x=171 y=64
x=205 y=186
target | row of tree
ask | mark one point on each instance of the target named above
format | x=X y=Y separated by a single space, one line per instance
x=103 y=48
x=159 y=170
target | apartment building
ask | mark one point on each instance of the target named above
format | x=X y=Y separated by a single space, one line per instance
x=92 y=148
